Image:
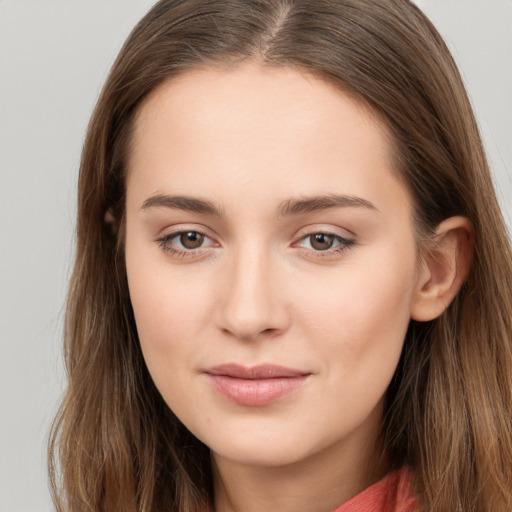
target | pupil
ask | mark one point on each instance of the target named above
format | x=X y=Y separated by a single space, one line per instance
x=191 y=240
x=321 y=241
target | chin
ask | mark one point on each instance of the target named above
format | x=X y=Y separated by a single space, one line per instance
x=263 y=448
x=258 y=456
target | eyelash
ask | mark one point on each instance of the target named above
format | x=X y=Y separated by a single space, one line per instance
x=165 y=243
x=343 y=244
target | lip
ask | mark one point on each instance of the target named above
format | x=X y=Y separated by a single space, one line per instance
x=256 y=385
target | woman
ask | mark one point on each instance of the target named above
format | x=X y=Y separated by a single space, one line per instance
x=292 y=285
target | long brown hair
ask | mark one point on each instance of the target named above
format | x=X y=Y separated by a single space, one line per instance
x=115 y=444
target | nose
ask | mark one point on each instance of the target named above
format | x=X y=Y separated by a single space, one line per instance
x=253 y=301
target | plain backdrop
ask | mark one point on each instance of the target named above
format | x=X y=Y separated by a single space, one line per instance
x=54 y=56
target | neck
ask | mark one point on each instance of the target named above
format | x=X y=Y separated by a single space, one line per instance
x=321 y=482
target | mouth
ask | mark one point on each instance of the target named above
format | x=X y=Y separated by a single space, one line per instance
x=255 y=386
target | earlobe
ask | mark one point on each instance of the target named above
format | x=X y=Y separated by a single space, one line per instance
x=444 y=269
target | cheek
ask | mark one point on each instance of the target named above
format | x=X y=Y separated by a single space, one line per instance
x=357 y=329
x=361 y=318
x=168 y=323
x=169 y=333
x=164 y=307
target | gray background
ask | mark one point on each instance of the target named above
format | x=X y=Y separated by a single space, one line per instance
x=54 y=56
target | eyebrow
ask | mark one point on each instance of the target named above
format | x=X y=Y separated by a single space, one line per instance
x=287 y=208
x=191 y=204
x=319 y=203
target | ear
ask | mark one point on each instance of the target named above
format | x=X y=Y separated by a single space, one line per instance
x=110 y=220
x=444 y=269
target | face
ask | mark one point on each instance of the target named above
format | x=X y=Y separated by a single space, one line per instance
x=271 y=261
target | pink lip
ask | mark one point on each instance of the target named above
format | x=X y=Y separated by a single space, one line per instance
x=257 y=385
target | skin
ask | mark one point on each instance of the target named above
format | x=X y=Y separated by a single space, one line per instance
x=250 y=141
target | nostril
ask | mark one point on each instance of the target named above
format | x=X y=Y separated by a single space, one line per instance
x=251 y=334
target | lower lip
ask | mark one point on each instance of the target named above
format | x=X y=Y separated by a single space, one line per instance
x=255 y=392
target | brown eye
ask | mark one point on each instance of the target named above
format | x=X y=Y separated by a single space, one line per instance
x=321 y=241
x=191 y=239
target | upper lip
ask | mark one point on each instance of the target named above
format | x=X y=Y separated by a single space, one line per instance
x=262 y=371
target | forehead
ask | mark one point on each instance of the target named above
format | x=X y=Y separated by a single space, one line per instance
x=280 y=87
x=255 y=128
x=251 y=95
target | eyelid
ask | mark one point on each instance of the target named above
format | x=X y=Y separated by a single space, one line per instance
x=176 y=229
x=177 y=234
x=334 y=235
x=335 y=231
x=345 y=242
x=164 y=239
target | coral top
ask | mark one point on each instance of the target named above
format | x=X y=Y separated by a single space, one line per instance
x=391 y=494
